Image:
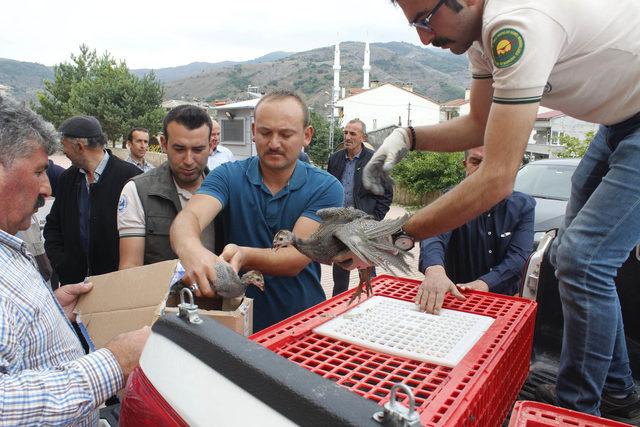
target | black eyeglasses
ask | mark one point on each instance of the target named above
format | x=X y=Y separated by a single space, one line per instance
x=425 y=23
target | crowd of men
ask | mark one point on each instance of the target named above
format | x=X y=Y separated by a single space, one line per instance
x=111 y=214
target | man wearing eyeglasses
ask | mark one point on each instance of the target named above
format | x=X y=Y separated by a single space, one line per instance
x=584 y=59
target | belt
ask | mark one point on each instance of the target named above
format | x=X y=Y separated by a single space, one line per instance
x=620 y=131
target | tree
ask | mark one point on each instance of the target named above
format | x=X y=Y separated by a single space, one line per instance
x=319 y=150
x=574 y=147
x=102 y=87
x=428 y=172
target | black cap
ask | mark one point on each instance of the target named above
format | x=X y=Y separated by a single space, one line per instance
x=81 y=127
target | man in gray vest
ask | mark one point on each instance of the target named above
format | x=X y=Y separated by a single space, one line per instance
x=150 y=202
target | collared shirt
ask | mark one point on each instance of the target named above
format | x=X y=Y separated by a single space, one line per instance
x=144 y=166
x=252 y=217
x=99 y=170
x=84 y=200
x=220 y=156
x=543 y=51
x=45 y=377
x=492 y=247
x=347 y=177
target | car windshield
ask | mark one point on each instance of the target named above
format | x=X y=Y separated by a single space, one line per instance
x=545 y=181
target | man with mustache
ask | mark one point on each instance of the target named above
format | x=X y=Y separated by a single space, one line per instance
x=81 y=235
x=150 y=202
x=583 y=59
x=45 y=377
x=257 y=197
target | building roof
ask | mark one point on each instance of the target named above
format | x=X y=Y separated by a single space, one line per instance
x=356 y=90
x=388 y=84
x=250 y=104
x=172 y=103
x=550 y=115
x=456 y=103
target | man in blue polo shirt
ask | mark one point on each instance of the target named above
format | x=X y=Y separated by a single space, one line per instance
x=258 y=197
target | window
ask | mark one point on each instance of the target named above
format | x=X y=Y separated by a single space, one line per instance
x=232 y=131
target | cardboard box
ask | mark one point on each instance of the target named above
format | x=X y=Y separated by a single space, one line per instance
x=127 y=300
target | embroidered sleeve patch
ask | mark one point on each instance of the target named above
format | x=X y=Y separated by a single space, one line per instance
x=122 y=203
x=507 y=46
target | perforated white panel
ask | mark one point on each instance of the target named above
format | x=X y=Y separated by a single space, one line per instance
x=397 y=327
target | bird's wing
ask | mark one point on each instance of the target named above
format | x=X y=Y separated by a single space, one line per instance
x=395 y=258
x=384 y=228
x=341 y=215
x=378 y=250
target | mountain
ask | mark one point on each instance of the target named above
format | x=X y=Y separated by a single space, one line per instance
x=23 y=78
x=185 y=71
x=437 y=74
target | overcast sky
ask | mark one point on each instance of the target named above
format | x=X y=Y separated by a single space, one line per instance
x=152 y=34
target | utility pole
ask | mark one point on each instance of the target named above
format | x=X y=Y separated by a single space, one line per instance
x=332 y=119
x=409 y=114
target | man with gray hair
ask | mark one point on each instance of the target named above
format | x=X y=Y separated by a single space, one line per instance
x=88 y=197
x=347 y=165
x=45 y=377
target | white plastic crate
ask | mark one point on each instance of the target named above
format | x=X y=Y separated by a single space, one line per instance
x=397 y=327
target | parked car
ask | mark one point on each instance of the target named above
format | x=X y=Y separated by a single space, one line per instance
x=549 y=182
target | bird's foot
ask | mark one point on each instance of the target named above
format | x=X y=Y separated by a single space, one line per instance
x=356 y=295
x=363 y=286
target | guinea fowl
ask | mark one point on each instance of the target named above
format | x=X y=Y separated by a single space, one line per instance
x=348 y=229
x=228 y=284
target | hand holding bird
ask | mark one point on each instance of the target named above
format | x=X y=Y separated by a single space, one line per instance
x=344 y=230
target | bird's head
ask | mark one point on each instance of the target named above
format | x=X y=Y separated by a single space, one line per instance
x=282 y=239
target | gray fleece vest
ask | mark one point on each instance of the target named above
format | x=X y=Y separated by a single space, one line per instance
x=161 y=205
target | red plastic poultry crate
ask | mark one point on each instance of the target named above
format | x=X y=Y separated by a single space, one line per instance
x=478 y=391
x=536 y=414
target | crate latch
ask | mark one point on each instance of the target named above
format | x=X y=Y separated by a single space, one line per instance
x=188 y=310
x=396 y=414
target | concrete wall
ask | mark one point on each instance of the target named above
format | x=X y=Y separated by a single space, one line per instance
x=156 y=159
x=240 y=149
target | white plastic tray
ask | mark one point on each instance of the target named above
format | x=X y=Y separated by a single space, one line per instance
x=397 y=327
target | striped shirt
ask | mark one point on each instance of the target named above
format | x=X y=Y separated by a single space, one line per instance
x=144 y=166
x=45 y=378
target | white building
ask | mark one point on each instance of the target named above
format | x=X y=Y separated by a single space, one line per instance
x=544 y=141
x=549 y=126
x=389 y=104
x=455 y=108
x=235 y=127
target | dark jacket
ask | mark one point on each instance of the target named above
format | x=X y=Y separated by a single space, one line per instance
x=377 y=206
x=493 y=247
x=53 y=172
x=62 y=230
x=159 y=198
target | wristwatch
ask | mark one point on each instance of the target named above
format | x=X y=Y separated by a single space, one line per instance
x=402 y=240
